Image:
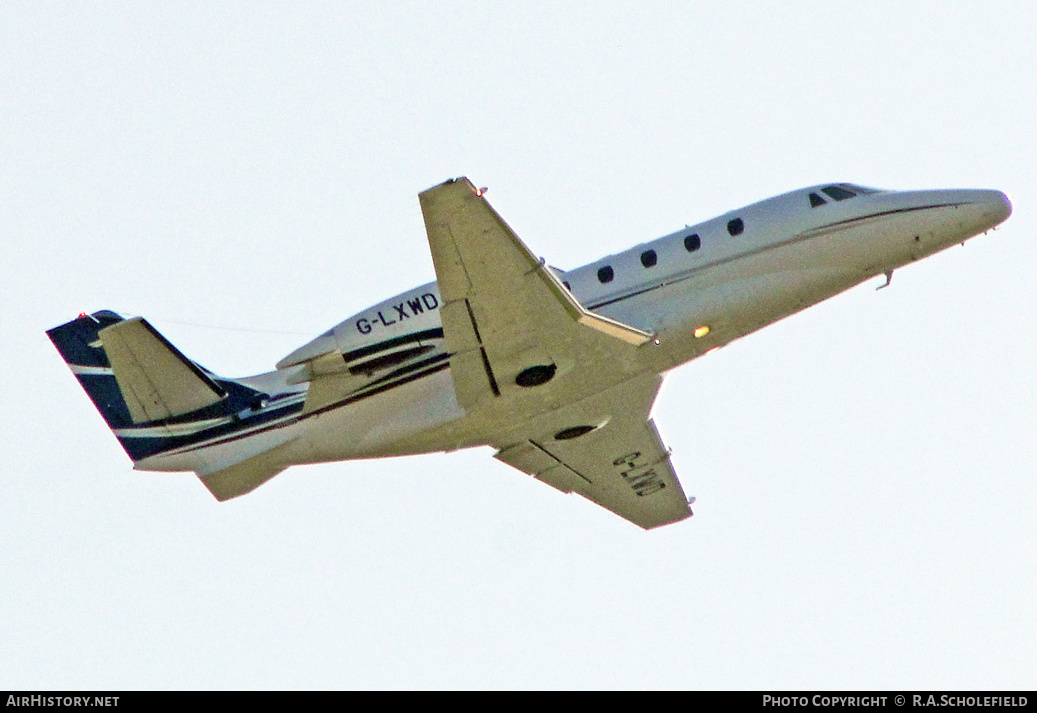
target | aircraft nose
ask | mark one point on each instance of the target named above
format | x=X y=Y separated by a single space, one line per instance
x=1001 y=206
x=990 y=208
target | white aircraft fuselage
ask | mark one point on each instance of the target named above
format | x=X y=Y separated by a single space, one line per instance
x=385 y=382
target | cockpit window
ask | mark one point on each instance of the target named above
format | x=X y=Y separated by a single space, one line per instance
x=838 y=192
x=860 y=190
x=816 y=200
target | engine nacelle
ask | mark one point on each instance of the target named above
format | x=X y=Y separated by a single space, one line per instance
x=389 y=333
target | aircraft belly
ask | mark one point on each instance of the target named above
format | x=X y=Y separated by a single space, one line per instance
x=227 y=449
x=421 y=416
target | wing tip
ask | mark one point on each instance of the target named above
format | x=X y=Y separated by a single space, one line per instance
x=680 y=517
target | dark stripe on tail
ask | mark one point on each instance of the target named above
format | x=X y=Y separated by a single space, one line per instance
x=80 y=346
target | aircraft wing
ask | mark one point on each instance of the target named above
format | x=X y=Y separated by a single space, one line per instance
x=572 y=383
x=504 y=311
x=621 y=464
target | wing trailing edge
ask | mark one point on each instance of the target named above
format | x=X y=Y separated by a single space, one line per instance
x=607 y=449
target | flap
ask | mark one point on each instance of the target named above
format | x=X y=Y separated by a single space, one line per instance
x=606 y=449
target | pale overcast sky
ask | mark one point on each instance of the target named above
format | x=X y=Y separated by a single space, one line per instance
x=865 y=471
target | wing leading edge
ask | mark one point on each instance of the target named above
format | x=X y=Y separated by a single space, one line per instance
x=570 y=380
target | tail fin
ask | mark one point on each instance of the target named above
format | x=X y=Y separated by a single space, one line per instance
x=158 y=402
x=134 y=376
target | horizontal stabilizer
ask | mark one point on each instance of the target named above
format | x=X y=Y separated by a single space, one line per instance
x=242 y=477
x=155 y=379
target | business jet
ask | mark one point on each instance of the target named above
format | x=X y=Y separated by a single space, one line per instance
x=557 y=370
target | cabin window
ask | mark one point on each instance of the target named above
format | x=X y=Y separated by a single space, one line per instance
x=649 y=258
x=692 y=242
x=735 y=227
x=838 y=192
x=816 y=200
x=605 y=274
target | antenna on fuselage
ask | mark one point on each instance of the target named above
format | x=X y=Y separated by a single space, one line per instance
x=889 y=279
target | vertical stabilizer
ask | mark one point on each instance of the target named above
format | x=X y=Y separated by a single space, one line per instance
x=148 y=393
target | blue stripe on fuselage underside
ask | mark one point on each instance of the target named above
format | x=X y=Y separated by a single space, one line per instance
x=240 y=428
x=232 y=415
